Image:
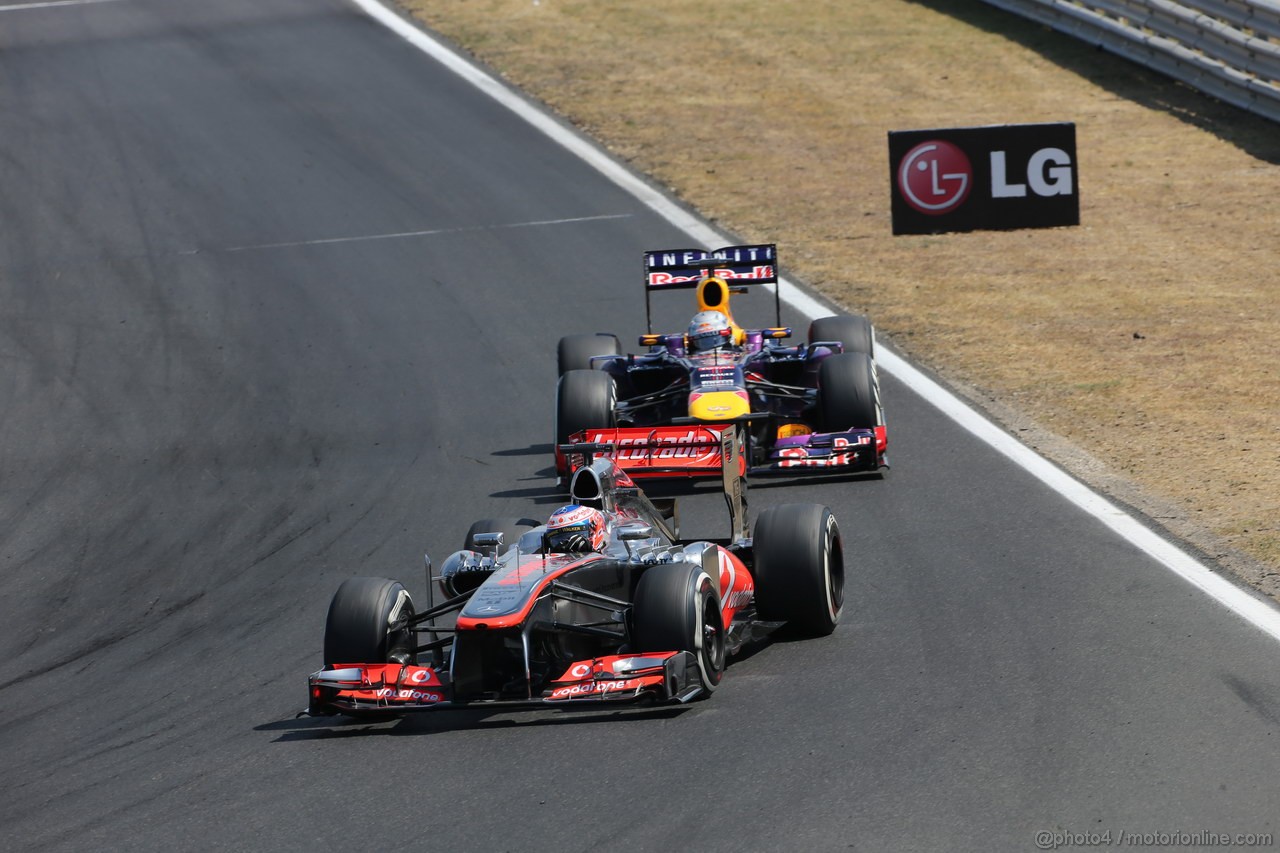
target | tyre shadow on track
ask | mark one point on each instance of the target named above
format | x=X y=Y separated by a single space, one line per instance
x=480 y=719
x=439 y=722
x=531 y=450
x=546 y=492
x=775 y=481
x=550 y=493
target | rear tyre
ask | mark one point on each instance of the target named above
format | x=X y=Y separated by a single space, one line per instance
x=358 y=628
x=677 y=609
x=510 y=528
x=584 y=400
x=576 y=351
x=848 y=393
x=854 y=331
x=799 y=568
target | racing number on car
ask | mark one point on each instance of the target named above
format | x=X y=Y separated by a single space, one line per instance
x=935 y=177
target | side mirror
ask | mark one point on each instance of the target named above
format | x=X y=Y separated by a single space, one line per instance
x=636 y=533
x=490 y=541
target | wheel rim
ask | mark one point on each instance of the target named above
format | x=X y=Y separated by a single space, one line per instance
x=835 y=589
x=712 y=635
x=834 y=576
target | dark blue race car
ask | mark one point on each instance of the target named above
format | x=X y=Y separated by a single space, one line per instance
x=806 y=408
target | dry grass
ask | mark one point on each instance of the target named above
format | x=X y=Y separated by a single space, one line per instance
x=1147 y=336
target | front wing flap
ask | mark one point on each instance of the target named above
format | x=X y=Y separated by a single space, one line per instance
x=696 y=451
x=356 y=689
x=851 y=450
x=662 y=677
x=374 y=688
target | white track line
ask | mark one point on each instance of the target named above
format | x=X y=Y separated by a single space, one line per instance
x=1253 y=609
x=400 y=235
x=52 y=3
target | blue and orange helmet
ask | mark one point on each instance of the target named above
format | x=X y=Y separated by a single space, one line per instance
x=575 y=529
x=709 y=330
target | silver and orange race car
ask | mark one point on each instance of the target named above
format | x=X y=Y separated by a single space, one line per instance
x=604 y=604
x=814 y=407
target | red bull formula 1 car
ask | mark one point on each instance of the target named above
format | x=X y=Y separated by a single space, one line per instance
x=605 y=604
x=811 y=407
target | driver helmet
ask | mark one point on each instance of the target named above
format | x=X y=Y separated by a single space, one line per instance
x=575 y=529
x=709 y=330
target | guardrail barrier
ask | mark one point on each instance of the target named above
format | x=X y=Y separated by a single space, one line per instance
x=1229 y=49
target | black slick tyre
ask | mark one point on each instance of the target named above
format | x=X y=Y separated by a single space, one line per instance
x=575 y=352
x=359 y=628
x=799 y=568
x=848 y=397
x=677 y=608
x=854 y=331
x=584 y=400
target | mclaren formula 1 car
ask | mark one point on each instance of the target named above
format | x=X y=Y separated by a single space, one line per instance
x=811 y=407
x=604 y=604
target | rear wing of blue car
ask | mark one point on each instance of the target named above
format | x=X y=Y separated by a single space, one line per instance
x=685 y=269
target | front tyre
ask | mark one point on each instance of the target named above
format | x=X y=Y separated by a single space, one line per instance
x=848 y=393
x=799 y=567
x=574 y=352
x=585 y=399
x=677 y=609
x=854 y=331
x=366 y=623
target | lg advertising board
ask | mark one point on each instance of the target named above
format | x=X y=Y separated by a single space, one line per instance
x=984 y=178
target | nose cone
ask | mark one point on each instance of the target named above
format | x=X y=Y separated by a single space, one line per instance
x=719 y=405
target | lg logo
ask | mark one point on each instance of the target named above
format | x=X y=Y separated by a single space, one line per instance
x=1048 y=173
x=996 y=177
x=935 y=176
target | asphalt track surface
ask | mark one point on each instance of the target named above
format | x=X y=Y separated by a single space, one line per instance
x=206 y=431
